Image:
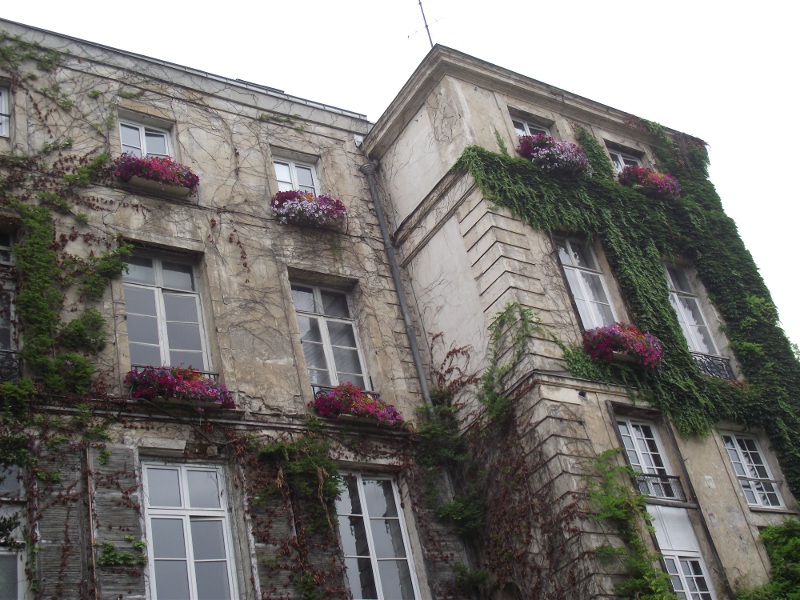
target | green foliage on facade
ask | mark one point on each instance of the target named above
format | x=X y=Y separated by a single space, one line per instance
x=638 y=234
x=783 y=546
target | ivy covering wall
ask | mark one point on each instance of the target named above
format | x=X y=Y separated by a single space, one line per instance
x=638 y=234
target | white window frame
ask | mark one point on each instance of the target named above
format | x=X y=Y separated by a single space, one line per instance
x=11 y=499
x=677 y=564
x=374 y=560
x=185 y=514
x=163 y=338
x=620 y=160
x=293 y=182
x=644 y=452
x=327 y=345
x=5 y=111
x=144 y=130
x=523 y=127
x=693 y=338
x=756 y=487
x=593 y=318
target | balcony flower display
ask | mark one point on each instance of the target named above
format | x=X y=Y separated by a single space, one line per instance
x=602 y=343
x=294 y=207
x=158 y=169
x=348 y=399
x=183 y=384
x=562 y=158
x=650 y=182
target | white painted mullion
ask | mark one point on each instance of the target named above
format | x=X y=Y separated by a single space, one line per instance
x=406 y=543
x=373 y=555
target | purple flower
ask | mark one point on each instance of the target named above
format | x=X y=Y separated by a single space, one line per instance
x=177 y=383
x=561 y=158
x=602 y=342
x=303 y=208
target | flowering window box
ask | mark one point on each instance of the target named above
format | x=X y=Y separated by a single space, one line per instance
x=294 y=207
x=350 y=403
x=155 y=174
x=182 y=385
x=650 y=183
x=559 y=158
x=623 y=343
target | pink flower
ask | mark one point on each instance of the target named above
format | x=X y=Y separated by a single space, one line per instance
x=185 y=384
x=602 y=342
x=650 y=182
x=349 y=399
x=303 y=208
x=155 y=168
x=561 y=158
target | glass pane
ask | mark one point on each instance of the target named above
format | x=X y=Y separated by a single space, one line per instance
x=9 y=481
x=140 y=270
x=130 y=136
x=342 y=334
x=315 y=355
x=8 y=577
x=582 y=256
x=163 y=487
x=304 y=177
x=360 y=579
x=139 y=300
x=379 y=497
x=187 y=358
x=346 y=360
x=701 y=340
x=396 y=580
x=203 y=489
x=144 y=355
x=212 y=581
x=318 y=377
x=574 y=285
x=594 y=285
x=606 y=317
x=282 y=172
x=388 y=538
x=354 y=536
x=303 y=298
x=143 y=330
x=356 y=380
x=180 y=307
x=208 y=540
x=168 y=539
x=172 y=579
x=177 y=276
x=309 y=329
x=335 y=304
x=156 y=143
x=348 y=502
x=184 y=336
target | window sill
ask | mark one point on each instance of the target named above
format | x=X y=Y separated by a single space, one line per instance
x=781 y=510
x=154 y=188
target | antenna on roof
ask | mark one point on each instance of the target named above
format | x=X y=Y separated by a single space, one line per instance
x=424 y=20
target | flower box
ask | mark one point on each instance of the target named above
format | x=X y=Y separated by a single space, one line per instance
x=181 y=385
x=294 y=207
x=558 y=158
x=350 y=403
x=624 y=344
x=156 y=174
x=650 y=182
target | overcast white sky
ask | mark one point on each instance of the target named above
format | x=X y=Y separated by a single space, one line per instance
x=724 y=71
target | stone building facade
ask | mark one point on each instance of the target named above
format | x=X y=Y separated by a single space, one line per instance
x=133 y=497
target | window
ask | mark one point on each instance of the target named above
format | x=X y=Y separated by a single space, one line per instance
x=141 y=140
x=328 y=335
x=620 y=160
x=295 y=176
x=10 y=484
x=12 y=565
x=374 y=539
x=9 y=365
x=586 y=283
x=163 y=312
x=644 y=454
x=5 y=117
x=690 y=317
x=681 y=553
x=527 y=128
x=757 y=484
x=12 y=577
x=6 y=239
x=190 y=549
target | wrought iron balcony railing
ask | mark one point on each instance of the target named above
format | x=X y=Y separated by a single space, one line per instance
x=208 y=374
x=716 y=366
x=663 y=487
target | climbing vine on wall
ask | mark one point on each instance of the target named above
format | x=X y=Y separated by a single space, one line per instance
x=638 y=234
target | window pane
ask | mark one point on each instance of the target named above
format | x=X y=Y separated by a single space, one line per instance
x=163 y=487
x=282 y=173
x=203 y=489
x=309 y=329
x=144 y=355
x=172 y=579
x=396 y=580
x=356 y=380
x=348 y=502
x=360 y=579
x=388 y=538
x=582 y=256
x=315 y=356
x=156 y=143
x=168 y=538
x=8 y=577
x=140 y=270
x=140 y=300
x=9 y=481
x=319 y=377
x=594 y=285
x=303 y=298
x=212 y=581
x=178 y=276
x=187 y=358
x=342 y=334
x=304 y=177
x=335 y=304
x=184 y=336
x=354 y=536
x=180 y=307
x=379 y=497
x=208 y=542
x=142 y=330
x=346 y=361
x=131 y=139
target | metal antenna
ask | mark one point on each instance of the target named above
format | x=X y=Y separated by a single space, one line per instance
x=424 y=20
